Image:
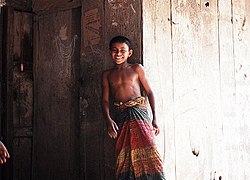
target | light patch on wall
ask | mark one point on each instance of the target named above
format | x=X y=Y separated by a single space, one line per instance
x=91 y=26
x=63 y=33
x=132 y=7
x=65 y=48
x=114 y=23
x=115 y=4
x=182 y=3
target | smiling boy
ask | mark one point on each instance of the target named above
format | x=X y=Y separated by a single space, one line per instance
x=137 y=156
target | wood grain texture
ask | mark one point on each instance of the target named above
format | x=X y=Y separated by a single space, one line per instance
x=22 y=5
x=45 y=6
x=91 y=67
x=209 y=75
x=56 y=142
x=157 y=51
x=196 y=56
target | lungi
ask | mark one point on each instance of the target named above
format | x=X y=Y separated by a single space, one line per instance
x=137 y=155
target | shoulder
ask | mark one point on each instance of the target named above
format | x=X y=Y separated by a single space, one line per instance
x=138 y=68
x=106 y=73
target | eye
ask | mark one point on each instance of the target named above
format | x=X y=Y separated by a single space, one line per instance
x=123 y=51
x=117 y=51
x=114 y=50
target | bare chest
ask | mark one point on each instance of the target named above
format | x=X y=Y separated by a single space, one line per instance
x=123 y=77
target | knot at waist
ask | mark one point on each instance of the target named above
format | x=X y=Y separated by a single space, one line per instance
x=140 y=101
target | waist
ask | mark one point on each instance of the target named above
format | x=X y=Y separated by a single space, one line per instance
x=139 y=101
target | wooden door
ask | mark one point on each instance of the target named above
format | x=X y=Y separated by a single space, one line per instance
x=17 y=93
x=56 y=120
x=22 y=95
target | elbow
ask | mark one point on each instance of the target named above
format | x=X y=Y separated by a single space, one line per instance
x=150 y=94
x=105 y=103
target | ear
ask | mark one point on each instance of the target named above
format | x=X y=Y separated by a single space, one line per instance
x=130 y=52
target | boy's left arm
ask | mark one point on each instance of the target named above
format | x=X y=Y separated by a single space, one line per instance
x=145 y=83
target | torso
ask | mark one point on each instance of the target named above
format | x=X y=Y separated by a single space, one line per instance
x=124 y=83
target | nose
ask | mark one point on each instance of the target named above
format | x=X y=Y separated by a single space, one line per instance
x=119 y=52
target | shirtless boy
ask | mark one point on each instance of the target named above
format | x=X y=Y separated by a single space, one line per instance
x=137 y=156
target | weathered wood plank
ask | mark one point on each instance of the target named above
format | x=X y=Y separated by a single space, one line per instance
x=211 y=107
x=1 y=72
x=23 y=5
x=22 y=153
x=240 y=126
x=56 y=126
x=22 y=96
x=22 y=70
x=227 y=90
x=157 y=60
x=91 y=66
x=188 y=90
x=8 y=86
x=210 y=80
x=45 y=6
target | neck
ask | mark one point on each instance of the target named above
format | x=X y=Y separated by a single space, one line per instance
x=121 y=66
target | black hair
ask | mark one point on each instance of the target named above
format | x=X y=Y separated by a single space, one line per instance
x=121 y=39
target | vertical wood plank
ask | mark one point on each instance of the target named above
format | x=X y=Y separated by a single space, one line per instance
x=8 y=87
x=188 y=70
x=1 y=74
x=56 y=149
x=2 y=84
x=227 y=86
x=211 y=106
x=239 y=142
x=22 y=96
x=91 y=67
x=157 y=60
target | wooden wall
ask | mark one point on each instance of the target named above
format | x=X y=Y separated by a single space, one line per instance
x=17 y=88
x=54 y=55
x=197 y=56
x=91 y=64
x=56 y=123
x=70 y=140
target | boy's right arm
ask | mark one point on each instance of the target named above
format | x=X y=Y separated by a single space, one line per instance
x=112 y=126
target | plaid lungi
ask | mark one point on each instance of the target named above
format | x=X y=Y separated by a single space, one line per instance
x=137 y=155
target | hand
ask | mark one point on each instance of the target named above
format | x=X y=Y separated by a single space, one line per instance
x=3 y=153
x=155 y=127
x=112 y=129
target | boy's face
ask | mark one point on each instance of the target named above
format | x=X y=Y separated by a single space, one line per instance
x=120 y=52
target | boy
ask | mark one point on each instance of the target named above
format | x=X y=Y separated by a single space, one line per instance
x=137 y=157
